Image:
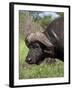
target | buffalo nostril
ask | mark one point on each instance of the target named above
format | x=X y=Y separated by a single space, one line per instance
x=29 y=59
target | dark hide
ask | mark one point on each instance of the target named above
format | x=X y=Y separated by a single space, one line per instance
x=55 y=33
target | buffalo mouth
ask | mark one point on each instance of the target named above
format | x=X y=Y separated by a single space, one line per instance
x=29 y=61
x=38 y=60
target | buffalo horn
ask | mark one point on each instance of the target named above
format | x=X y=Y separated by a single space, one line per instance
x=39 y=36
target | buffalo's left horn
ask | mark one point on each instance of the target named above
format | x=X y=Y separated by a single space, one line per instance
x=39 y=36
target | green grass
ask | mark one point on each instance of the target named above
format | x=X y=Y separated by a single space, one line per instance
x=23 y=50
x=43 y=70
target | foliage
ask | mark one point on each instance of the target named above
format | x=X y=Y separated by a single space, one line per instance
x=42 y=19
x=60 y=14
x=45 y=21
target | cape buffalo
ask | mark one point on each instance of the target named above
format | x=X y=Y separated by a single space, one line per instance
x=49 y=43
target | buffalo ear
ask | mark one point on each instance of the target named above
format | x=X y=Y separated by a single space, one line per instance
x=49 y=52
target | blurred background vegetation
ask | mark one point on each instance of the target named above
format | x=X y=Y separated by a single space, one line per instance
x=33 y=21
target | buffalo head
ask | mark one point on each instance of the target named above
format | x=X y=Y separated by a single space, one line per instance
x=36 y=43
